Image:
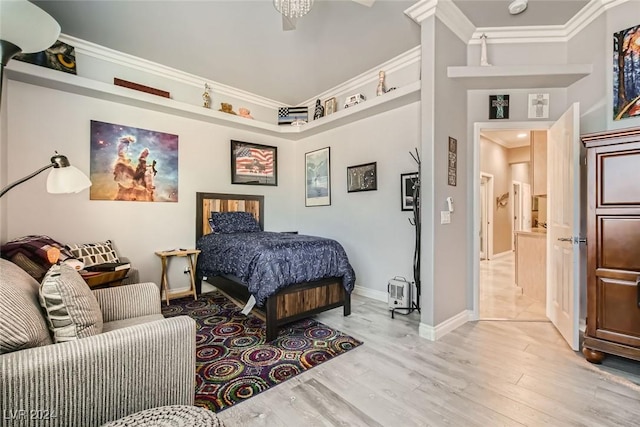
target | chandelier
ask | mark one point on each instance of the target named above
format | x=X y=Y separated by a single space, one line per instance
x=293 y=8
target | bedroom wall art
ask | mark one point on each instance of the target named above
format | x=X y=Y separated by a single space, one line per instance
x=626 y=73
x=133 y=164
x=317 y=178
x=452 y=168
x=408 y=183
x=362 y=177
x=60 y=56
x=253 y=164
x=498 y=107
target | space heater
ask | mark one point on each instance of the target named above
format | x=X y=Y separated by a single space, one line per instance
x=399 y=290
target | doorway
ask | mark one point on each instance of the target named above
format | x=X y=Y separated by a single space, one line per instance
x=504 y=162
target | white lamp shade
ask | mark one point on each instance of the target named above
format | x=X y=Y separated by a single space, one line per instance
x=67 y=180
x=27 y=26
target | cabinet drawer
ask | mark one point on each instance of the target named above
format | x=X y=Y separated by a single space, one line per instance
x=618 y=314
x=619 y=245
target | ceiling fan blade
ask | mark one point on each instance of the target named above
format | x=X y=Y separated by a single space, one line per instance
x=367 y=3
x=288 y=24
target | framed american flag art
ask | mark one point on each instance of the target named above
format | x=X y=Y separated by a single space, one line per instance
x=253 y=164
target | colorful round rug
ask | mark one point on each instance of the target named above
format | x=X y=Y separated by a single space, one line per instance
x=233 y=362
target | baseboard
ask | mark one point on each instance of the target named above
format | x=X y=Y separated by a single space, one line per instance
x=435 y=333
x=370 y=293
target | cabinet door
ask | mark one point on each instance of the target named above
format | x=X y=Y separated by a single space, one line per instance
x=539 y=162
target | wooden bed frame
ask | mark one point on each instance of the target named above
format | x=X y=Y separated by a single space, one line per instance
x=289 y=304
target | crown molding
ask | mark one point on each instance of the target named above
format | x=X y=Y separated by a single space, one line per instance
x=546 y=33
x=452 y=17
x=120 y=58
x=421 y=10
x=370 y=76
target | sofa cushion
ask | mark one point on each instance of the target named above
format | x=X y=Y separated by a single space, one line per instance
x=125 y=323
x=22 y=323
x=72 y=309
x=94 y=253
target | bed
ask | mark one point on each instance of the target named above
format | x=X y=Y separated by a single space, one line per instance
x=287 y=302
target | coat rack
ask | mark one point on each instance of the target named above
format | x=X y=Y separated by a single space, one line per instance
x=415 y=221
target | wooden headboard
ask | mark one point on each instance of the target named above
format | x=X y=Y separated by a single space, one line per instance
x=216 y=202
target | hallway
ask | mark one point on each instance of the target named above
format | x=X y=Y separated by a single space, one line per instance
x=500 y=298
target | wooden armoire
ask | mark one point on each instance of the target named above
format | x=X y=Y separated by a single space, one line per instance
x=613 y=245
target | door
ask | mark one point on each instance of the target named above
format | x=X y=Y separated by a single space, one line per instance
x=563 y=224
x=517 y=208
x=526 y=206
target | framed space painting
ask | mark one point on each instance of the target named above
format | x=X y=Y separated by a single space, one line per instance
x=362 y=177
x=253 y=164
x=626 y=73
x=133 y=164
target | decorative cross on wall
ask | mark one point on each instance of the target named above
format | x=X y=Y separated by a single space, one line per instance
x=538 y=106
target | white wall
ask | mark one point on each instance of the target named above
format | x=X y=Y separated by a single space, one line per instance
x=494 y=161
x=43 y=120
x=375 y=233
x=450 y=120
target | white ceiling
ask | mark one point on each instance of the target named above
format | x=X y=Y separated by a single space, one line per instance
x=241 y=43
x=508 y=138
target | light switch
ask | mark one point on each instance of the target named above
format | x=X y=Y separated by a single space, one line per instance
x=445 y=217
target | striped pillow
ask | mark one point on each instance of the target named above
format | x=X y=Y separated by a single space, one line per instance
x=72 y=309
x=94 y=253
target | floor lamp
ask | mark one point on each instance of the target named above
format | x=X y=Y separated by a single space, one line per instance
x=26 y=28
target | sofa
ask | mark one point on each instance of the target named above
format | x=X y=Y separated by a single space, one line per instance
x=136 y=360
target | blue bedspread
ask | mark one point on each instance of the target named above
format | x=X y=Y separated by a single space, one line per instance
x=268 y=261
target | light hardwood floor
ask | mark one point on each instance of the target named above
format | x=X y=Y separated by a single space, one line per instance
x=486 y=373
x=500 y=298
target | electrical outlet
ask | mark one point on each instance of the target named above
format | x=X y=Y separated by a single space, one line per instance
x=445 y=217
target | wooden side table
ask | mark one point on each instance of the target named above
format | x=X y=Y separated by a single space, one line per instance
x=192 y=258
x=106 y=279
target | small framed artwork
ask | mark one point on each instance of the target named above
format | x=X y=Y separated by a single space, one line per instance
x=498 y=107
x=362 y=177
x=330 y=106
x=538 y=106
x=408 y=182
x=452 y=166
x=253 y=164
x=317 y=178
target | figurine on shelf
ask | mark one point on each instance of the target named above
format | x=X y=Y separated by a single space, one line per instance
x=319 y=111
x=483 y=51
x=226 y=108
x=381 y=87
x=243 y=112
x=206 y=97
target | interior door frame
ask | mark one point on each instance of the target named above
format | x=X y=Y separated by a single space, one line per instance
x=474 y=199
x=517 y=203
x=489 y=196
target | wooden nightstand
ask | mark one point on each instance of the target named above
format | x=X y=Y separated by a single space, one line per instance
x=192 y=258
x=104 y=279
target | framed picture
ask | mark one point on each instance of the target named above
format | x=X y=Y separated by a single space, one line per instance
x=253 y=164
x=362 y=177
x=498 y=107
x=407 y=183
x=317 y=178
x=132 y=164
x=452 y=159
x=626 y=72
x=330 y=106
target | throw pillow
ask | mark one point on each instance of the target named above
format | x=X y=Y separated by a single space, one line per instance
x=233 y=222
x=34 y=269
x=72 y=309
x=94 y=253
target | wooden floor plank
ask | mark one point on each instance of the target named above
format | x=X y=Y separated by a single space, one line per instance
x=482 y=374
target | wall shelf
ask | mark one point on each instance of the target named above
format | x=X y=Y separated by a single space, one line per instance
x=519 y=76
x=40 y=76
